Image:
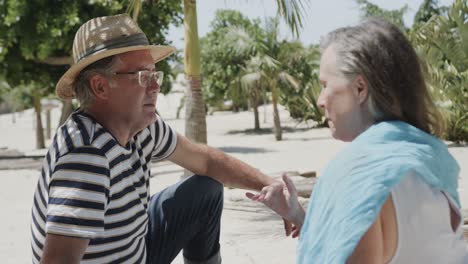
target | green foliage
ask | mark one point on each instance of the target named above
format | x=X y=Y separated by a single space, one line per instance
x=443 y=44
x=303 y=63
x=244 y=60
x=222 y=63
x=4 y=89
x=426 y=10
x=34 y=32
x=369 y=9
x=440 y=36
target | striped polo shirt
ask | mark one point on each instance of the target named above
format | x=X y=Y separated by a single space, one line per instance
x=92 y=187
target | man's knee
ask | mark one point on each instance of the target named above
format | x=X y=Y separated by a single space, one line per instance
x=206 y=185
x=205 y=192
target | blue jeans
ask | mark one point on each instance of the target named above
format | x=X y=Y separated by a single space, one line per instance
x=185 y=216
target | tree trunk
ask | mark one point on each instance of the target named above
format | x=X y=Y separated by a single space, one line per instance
x=255 y=100
x=195 y=117
x=40 y=143
x=257 y=118
x=67 y=109
x=276 y=118
x=48 y=126
x=264 y=97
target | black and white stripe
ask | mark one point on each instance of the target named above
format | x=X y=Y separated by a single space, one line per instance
x=92 y=187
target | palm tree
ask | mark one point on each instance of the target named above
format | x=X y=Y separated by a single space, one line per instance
x=195 y=121
x=252 y=80
x=303 y=63
x=267 y=71
x=263 y=70
x=443 y=43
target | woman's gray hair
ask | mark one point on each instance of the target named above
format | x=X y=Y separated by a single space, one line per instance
x=379 y=52
x=82 y=87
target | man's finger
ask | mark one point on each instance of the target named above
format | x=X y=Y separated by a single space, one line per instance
x=252 y=196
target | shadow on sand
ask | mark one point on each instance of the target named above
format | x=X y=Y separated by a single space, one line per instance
x=233 y=149
x=264 y=131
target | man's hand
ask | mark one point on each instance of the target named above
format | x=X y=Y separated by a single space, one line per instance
x=281 y=197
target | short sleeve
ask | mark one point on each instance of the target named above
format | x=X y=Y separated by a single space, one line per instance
x=165 y=140
x=78 y=194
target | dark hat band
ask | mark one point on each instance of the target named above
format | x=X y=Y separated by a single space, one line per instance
x=120 y=42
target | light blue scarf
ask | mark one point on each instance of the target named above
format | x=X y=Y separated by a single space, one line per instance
x=354 y=186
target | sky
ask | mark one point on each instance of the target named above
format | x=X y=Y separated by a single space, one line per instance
x=321 y=17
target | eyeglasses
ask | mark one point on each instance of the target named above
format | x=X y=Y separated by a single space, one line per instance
x=145 y=77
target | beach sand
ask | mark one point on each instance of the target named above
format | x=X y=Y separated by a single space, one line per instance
x=251 y=233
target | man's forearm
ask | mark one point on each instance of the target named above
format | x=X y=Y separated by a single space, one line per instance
x=234 y=172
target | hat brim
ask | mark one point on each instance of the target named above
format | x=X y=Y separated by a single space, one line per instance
x=64 y=86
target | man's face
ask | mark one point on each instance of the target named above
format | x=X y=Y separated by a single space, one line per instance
x=135 y=104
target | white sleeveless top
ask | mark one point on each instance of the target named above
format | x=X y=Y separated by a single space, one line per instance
x=425 y=234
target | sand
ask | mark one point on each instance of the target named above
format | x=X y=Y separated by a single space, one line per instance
x=251 y=233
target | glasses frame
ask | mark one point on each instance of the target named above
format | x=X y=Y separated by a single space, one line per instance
x=144 y=81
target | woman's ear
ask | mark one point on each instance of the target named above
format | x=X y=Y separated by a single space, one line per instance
x=99 y=86
x=361 y=88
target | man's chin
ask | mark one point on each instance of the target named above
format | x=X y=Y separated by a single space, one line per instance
x=151 y=119
x=147 y=119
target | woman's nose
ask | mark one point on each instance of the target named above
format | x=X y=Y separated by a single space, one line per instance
x=321 y=100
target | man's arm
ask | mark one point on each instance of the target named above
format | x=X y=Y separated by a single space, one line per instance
x=63 y=249
x=204 y=160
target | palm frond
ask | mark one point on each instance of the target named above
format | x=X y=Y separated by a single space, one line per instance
x=292 y=11
x=239 y=41
x=269 y=63
x=133 y=9
x=289 y=80
x=249 y=80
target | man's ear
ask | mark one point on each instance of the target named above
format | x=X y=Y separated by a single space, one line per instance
x=361 y=88
x=99 y=86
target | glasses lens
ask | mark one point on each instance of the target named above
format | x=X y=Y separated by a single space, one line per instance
x=143 y=78
x=159 y=75
x=146 y=77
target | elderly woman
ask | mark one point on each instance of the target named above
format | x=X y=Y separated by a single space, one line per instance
x=391 y=195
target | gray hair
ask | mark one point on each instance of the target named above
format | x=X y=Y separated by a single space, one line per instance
x=379 y=52
x=81 y=86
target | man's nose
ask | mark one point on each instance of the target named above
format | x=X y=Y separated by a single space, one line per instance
x=154 y=86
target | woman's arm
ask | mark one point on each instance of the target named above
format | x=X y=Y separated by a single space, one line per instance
x=379 y=243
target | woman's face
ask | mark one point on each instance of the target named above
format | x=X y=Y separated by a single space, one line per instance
x=342 y=99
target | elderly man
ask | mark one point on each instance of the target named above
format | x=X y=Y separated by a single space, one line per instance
x=92 y=203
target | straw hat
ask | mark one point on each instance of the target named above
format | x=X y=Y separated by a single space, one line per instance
x=103 y=37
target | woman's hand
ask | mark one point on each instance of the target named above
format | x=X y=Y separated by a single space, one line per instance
x=281 y=197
